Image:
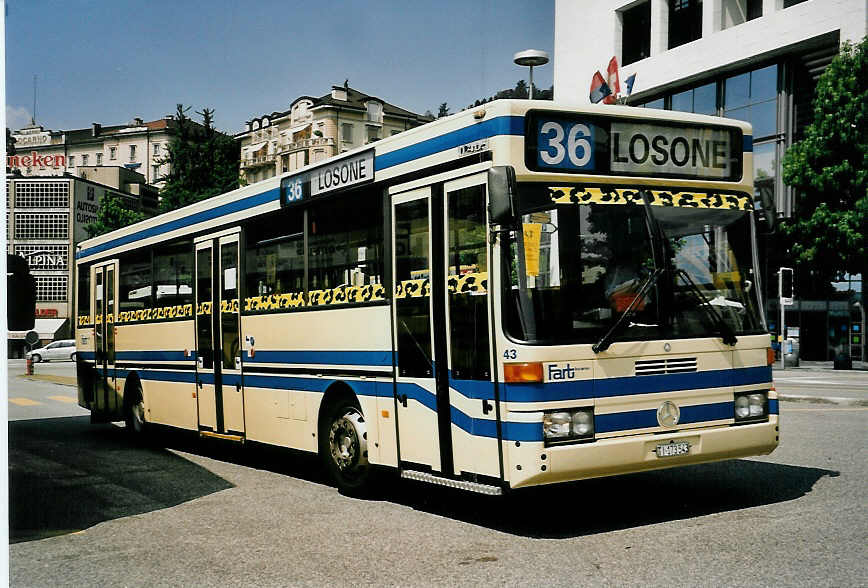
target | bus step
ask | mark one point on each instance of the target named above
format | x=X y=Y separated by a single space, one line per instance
x=461 y=484
x=223 y=436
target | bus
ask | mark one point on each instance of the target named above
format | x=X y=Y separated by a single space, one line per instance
x=519 y=294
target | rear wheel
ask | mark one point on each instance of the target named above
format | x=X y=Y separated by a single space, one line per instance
x=134 y=413
x=344 y=447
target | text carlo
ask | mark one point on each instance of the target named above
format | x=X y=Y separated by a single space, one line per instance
x=683 y=151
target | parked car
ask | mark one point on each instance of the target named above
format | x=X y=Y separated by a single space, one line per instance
x=63 y=350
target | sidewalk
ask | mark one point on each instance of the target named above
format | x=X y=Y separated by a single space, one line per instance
x=858 y=366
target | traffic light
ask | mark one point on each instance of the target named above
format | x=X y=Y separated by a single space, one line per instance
x=20 y=294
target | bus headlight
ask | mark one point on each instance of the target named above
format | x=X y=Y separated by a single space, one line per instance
x=574 y=424
x=751 y=406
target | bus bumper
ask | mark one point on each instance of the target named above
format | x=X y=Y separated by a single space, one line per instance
x=534 y=464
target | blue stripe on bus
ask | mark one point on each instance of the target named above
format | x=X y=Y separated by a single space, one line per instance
x=646 y=419
x=152 y=356
x=501 y=125
x=629 y=385
x=378 y=358
x=747 y=143
x=205 y=215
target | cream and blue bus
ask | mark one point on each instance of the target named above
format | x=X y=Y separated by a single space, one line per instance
x=519 y=294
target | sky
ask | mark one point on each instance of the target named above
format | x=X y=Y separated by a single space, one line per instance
x=109 y=61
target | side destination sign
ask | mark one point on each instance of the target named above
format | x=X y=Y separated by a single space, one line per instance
x=340 y=174
x=349 y=171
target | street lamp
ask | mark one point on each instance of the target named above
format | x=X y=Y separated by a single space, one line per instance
x=530 y=58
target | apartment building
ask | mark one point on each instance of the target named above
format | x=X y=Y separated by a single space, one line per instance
x=313 y=129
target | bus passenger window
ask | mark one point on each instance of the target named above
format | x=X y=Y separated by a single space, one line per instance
x=135 y=281
x=173 y=274
x=275 y=255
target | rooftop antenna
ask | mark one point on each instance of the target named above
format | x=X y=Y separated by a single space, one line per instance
x=33 y=118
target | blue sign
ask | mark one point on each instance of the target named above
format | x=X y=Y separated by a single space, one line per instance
x=565 y=144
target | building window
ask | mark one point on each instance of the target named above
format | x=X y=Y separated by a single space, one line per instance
x=42 y=225
x=155 y=172
x=373 y=134
x=156 y=149
x=752 y=97
x=84 y=159
x=284 y=163
x=72 y=161
x=736 y=12
x=636 y=33
x=685 y=21
x=51 y=288
x=347 y=132
x=132 y=152
x=99 y=158
x=701 y=100
x=41 y=195
x=113 y=153
x=658 y=103
x=754 y=9
x=788 y=3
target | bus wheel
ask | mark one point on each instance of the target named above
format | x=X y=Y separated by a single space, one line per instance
x=344 y=447
x=134 y=415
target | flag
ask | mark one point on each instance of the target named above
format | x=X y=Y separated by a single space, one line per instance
x=629 y=83
x=612 y=80
x=599 y=89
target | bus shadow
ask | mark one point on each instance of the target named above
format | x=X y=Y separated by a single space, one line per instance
x=611 y=504
x=66 y=474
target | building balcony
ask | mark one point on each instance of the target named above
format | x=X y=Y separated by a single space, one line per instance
x=261 y=161
x=289 y=147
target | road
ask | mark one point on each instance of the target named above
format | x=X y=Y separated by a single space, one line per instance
x=91 y=508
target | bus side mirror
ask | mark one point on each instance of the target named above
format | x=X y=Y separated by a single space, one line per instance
x=20 y=294
x=501 y=195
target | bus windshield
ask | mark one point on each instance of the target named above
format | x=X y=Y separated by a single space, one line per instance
x=576 y=268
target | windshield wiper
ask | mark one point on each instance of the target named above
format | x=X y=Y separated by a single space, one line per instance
x=606 y=340
x=725 y=330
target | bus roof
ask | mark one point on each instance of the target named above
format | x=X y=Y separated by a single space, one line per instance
x=496 y=128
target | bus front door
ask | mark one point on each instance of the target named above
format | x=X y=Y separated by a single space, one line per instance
x=422 y=438
x=446 y=397
x=107 y=405
x=219 y=382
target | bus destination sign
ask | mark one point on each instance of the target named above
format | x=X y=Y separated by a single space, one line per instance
x=629 y=147
x=335 y=175
x=701 y=152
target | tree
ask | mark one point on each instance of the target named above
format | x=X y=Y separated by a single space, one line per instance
x=112 y=214
x=828 y=170
x=203 y=162
x=443 y=110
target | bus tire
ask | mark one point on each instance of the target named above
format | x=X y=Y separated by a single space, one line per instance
x=343 y=446
x=134 y=410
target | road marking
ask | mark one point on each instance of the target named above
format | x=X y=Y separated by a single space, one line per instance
x=67 y=399
x=24 y=402
x=824 y=409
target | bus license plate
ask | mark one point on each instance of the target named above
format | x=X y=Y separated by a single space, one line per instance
x=673 y=449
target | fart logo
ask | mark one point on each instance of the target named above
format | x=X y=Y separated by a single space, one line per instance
x=564 y=372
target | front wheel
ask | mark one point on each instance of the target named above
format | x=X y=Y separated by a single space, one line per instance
x=72 y=357
x=344 y=447
x=36 y=358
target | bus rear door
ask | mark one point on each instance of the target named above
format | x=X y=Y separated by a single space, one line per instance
x=107 y=404
x=220 y=391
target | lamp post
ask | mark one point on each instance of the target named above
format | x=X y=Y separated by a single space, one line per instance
x=530 y=58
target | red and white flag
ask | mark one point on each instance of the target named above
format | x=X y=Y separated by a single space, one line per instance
x=612 y=80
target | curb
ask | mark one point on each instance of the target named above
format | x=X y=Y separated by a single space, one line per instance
x=62 y=380
x=823 y=400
